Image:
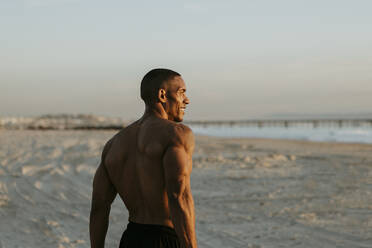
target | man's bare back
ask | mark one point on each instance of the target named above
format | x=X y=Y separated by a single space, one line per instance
x=148 y=164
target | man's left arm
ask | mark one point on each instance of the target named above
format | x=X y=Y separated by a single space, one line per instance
x=103 y=195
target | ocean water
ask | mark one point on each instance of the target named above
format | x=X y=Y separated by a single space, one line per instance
x=331 y=134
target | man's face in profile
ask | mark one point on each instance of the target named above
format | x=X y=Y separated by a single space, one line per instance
x=176 y=99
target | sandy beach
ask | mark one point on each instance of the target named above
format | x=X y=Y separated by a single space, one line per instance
x=248 y=192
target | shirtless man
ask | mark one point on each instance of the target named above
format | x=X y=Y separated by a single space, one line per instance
x=148 y=164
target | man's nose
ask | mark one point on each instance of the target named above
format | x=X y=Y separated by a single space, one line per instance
x=186 y=100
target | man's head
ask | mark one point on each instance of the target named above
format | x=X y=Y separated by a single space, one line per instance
x=168 y=88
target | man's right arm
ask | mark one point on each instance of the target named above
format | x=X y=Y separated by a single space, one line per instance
x=177 y=164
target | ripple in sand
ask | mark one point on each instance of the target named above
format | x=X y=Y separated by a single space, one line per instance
x=86 y=168
x=277 y=157
x=308 y=217
x=30 y=170
x=292 y=157
x=62 y=196
x=57 y=171
x=52 y=223
x=247 y=159
x=4 y=198
x=38 y=185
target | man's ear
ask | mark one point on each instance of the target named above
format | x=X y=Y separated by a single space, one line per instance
x=162 y=95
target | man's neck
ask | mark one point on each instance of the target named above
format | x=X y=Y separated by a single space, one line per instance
x=155 y=110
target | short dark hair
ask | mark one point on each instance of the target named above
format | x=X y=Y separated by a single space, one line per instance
x=153 y=81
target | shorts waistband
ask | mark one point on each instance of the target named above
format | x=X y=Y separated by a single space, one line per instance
x=137 y=227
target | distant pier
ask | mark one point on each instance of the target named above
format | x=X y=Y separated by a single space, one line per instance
x=90 y=122
x=314 y=123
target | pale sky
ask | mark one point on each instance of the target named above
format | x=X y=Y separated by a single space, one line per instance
x=239 y=59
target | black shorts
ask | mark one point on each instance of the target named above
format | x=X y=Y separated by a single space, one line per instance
x=149 y=236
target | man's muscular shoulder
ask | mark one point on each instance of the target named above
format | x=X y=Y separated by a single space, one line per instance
x=105 y=157
x=181 y=135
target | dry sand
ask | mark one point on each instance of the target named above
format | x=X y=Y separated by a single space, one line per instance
x=248 y=192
